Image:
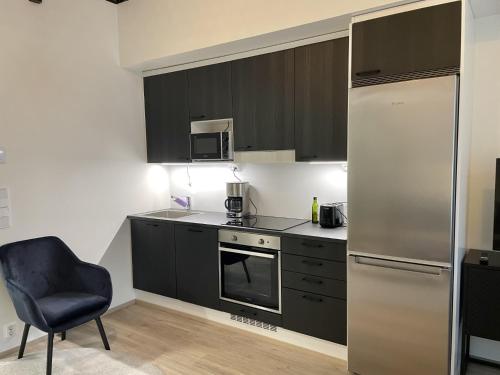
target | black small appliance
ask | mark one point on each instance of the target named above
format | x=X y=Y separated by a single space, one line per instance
x=331 y=215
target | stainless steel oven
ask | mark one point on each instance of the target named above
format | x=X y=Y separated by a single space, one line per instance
x=250 y=269
x=212 y=140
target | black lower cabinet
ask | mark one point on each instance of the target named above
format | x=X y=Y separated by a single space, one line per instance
x=197 y=265
x=181 y=261
x=153 y=257
x=252 y=313
x=315 y=315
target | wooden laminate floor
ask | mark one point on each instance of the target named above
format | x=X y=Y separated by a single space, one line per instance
x=179 y=343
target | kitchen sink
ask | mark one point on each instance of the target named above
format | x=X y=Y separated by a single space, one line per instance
x=171 y=214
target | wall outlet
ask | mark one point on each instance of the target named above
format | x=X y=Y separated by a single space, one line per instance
x=9 y=330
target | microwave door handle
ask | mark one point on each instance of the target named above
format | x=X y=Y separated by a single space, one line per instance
x=245 y=252
x=221 y=147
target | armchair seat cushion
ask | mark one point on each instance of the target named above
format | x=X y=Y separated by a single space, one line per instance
x=61 y=308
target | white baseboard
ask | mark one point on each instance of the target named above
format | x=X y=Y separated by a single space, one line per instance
x=307 y=342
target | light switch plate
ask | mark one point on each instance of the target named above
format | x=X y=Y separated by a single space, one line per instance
x=4 y=197
x=4 y=208
x=4 y=222
x=3 y=155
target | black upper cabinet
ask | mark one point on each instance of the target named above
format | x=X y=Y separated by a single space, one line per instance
x=321 y=87
x=153 y=257
x=167 y=117
x=421 y=40
x=210 y=92
x=263 y=102
x=197 y=265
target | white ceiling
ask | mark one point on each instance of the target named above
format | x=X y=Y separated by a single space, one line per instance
x=484 y=8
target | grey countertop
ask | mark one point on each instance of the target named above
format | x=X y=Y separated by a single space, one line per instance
x=315 y=230
x=217 y=219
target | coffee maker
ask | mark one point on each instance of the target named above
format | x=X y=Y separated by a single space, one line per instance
x=237 y=202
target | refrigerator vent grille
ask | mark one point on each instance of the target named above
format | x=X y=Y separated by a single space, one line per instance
x=254 y=323
x=405 y=77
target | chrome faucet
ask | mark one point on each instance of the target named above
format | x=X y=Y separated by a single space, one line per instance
x=184 y=202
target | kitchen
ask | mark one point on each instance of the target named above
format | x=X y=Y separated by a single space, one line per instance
x=274 y=106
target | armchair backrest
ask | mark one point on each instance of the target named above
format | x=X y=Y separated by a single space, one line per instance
x=42 y=266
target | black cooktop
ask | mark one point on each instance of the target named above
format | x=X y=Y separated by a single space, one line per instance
x=266 y=223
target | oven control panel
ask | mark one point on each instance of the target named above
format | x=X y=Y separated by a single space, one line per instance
x=250 y=239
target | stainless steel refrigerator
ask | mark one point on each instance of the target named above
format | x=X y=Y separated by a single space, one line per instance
x=401 y=193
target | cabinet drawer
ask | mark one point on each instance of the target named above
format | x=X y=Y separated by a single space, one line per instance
x=252 y=313
x=313 y=266
x=315 y=284
x=315 y=248
x=315 y=315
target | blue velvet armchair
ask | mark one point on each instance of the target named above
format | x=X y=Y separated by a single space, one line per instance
x=53 y=290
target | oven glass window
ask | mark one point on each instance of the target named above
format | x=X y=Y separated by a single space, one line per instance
x=250 y=279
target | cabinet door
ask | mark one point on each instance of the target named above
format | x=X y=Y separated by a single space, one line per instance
x=197 y=265
x=263 y=102
x=416 y=41
x=167 y=118
x=321 y=81
x=315 y=315
x=153 y=257
x=210 y=92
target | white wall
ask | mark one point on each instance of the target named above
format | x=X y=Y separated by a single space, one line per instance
x=485 y=132
x=485 y=148
x=72 y=125
x=276 y=189
x=153 y=29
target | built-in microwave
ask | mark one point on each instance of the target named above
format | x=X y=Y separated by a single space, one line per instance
x=212 y=140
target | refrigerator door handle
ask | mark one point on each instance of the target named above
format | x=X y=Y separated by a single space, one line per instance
x=419 y=268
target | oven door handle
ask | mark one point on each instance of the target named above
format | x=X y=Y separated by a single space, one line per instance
x=245 y=252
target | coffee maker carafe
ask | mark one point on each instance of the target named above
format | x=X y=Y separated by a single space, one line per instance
x=237 y=206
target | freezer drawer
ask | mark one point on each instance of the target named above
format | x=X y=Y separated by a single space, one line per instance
x=398 y=318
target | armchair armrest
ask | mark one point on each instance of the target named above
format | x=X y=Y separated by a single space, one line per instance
x=94 y=279
x=26 y=307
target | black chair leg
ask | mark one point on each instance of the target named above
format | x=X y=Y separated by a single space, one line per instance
x=50 y=348
x=63 y=336
x=103 y=334
x=23 y=342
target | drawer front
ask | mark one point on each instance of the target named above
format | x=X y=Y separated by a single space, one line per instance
x=315 y=315
x=314 y=248
x=315 y=284
x=313 y=266
x=252 y=313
